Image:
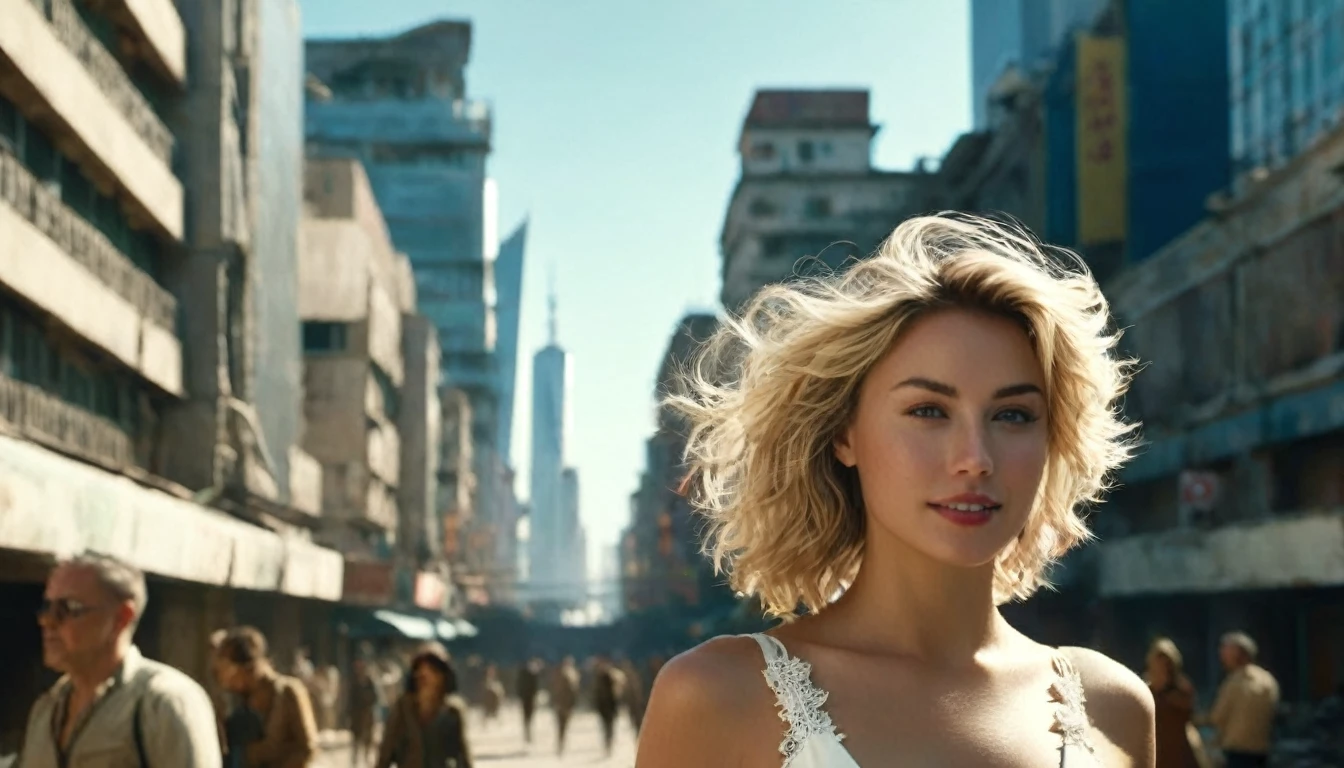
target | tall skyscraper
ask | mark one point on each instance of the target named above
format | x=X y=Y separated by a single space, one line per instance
x=550 y=417
x=509 y=290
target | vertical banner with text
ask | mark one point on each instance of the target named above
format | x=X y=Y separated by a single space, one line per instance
x=1102 y=122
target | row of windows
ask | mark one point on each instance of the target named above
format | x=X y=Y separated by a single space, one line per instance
x=28 y=353
x=806 y=150
x=40 y=156
x=815 y=207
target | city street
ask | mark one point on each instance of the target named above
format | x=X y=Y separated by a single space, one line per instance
x=500 y=744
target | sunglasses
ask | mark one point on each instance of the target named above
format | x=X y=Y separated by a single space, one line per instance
x=63 y=608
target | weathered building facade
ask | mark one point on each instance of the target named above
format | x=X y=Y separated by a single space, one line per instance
x=148 y=338
x=1230 y=517
x=808 y=196
x=371 y=381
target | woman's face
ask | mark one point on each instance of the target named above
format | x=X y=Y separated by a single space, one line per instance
x=427 y=677
x=1159 y=668
x=950 y=437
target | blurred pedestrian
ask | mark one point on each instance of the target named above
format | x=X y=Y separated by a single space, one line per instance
x=634 y=694
x=327 y=686
x=492 y=693
x=427 y=727
x=274 y=725
x=112 y=706
x=1178 y=742
x=363 y=701
x=608 y=687
x=529 y=685
x=564 y=697
x=1243 y=713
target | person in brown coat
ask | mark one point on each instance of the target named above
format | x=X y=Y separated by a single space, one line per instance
x=564 y=697
x=288 y=732
x=1178 y=742
x=427 y=728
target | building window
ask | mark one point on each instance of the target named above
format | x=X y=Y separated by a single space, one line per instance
x=324 y=337
x=763 y=150
x=805 y=151
x=762 y=207
x=818 y=207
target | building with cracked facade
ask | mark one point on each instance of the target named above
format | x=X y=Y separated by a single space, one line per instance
x=149 y=339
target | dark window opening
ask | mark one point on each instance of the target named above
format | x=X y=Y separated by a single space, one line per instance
x=321 y=336
x=805 y=151
x=818 y=207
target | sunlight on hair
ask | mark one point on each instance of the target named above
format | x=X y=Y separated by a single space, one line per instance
x=771 y=390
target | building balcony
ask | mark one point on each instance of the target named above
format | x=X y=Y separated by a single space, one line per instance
x=60 y=262
x=107 y=73
x=1280 y=552
x=159 y=24
x=58 y=74
x=44 y=418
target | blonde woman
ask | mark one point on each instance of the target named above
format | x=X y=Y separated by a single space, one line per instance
x=898 y=451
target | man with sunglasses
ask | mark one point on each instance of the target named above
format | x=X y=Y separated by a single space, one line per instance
x=111 y=706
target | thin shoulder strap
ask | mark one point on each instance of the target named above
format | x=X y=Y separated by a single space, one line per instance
x=801 y=703
x=1071 y=722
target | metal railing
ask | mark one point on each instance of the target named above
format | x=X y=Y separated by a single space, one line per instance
x=46 y=418
x=108 y=74
x=83 y=242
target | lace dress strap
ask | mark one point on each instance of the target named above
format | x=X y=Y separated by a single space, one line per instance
x=801 y=704
x=1071 y=721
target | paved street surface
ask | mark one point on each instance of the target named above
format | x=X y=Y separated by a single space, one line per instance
x=500 y=744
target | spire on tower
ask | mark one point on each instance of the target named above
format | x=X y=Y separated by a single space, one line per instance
x=551 y=319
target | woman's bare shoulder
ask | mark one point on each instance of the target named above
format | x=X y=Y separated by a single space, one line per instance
x=709 y=704
x=1119 y=703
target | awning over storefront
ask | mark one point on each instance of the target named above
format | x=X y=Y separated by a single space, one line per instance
x=53 y=505
x=388 y=623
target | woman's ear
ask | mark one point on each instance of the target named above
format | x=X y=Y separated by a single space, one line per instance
x=843 y=446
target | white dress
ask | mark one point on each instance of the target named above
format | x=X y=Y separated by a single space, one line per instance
x=812 y=741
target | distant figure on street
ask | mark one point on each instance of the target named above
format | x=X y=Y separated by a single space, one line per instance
x=564 y=697
x=529 y=685
x=274 y=725
x=492 y=693
x=1244 y=711
x=634 y=697
x=1178 y=742
x=112 y=706
x=608 y=689
x=363 y=701
x=428 y=725
x=327 y=684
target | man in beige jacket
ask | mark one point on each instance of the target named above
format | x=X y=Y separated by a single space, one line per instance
x=1244 y=711
x=112 y=706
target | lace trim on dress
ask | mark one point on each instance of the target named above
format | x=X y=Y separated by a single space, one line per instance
x=1071 y=715
x=801 y=704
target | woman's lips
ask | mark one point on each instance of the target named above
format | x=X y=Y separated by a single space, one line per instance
x=961 y=515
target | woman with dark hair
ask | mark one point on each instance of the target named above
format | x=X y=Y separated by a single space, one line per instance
x=427 y=726
x=1178 y=742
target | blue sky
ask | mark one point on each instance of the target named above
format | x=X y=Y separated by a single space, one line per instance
x=615 y=125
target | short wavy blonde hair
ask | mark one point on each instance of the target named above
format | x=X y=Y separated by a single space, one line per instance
x=768 y=394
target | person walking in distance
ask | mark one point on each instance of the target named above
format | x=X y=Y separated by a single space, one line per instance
x=634 y=694
x=1178 y=742
x=274 y=725
x=608 y=688
x=1243 y=712
x=363 y=701
x=427 y=727
x=564 y=697
x=112 y=706
x=529 y=685
x=492 y=693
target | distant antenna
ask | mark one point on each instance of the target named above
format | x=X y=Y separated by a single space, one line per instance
x=551 y=319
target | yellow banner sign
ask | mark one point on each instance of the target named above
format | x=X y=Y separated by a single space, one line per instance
x=1102 y=123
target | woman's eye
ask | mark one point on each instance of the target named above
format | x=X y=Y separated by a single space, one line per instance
x=1016 y=416
x=927 y=412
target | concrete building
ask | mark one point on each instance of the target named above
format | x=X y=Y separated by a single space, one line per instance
x=399 y=105
x=1287 y=79
x=1018 y=34
x=371 y=383
x=115 y=438
x=1232 y=516
x=661 y=564
x=808 y=196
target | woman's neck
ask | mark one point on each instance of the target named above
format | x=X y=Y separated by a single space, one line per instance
x=905 y=603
